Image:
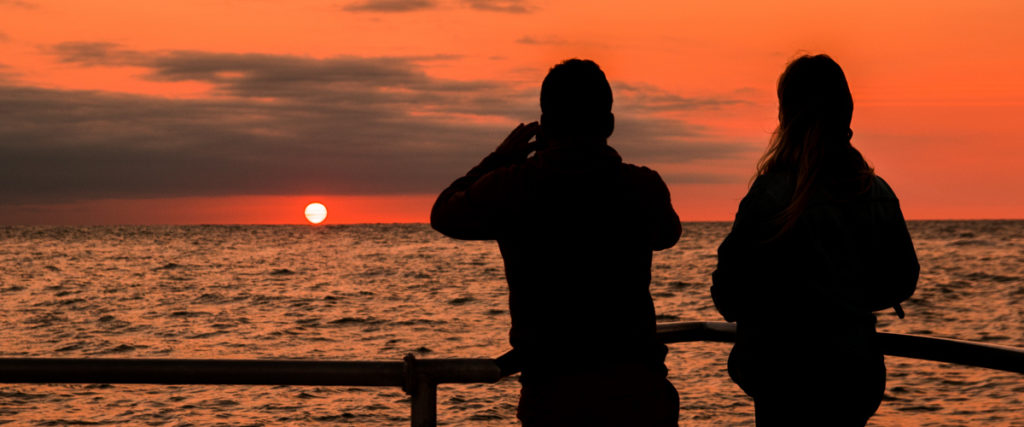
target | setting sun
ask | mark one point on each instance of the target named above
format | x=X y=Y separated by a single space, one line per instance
x=316 y=213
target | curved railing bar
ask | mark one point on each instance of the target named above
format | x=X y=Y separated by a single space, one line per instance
x=991 y=356
x=373 y=373
x=420 y=377
x=946 y=350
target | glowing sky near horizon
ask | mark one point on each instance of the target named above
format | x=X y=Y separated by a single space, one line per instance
x=244 y=111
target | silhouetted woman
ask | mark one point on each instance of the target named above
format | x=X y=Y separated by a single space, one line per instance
x=818 y=244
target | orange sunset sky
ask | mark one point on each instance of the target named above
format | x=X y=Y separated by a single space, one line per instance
x=243 y=111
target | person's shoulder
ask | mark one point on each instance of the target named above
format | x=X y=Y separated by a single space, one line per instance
x=639 y=170
x=772 y=188
x=880 y=189
x=771 y=181
x=641 y=175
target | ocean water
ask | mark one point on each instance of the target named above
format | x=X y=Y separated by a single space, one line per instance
x=377 y=292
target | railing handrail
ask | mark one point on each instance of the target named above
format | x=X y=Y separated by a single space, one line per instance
x=948 y=350
x=242 y=371
x=419 y=377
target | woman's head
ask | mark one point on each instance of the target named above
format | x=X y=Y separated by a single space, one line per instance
x=812 y=143
x=813 y=93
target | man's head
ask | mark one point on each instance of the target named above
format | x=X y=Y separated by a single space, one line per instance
x=576 y=103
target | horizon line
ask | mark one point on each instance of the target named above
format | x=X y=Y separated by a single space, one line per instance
x=225 y=224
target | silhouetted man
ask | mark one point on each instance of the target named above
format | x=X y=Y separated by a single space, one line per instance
x=576 y=227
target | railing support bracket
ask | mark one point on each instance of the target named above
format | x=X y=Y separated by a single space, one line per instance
x=422 y=390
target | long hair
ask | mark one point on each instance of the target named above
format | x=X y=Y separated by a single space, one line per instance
x=812 y=143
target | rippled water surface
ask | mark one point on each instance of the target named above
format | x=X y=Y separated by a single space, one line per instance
x=377 y=292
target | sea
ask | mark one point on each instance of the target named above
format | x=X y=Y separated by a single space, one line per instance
x=381 y=291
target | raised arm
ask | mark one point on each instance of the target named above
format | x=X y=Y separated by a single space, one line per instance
x=466 y=209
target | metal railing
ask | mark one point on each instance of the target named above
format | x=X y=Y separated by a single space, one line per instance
x=420 y=377
x=946 y=350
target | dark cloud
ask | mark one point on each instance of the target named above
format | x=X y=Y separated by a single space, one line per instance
x=19 y=3
x=540 y=40
x=262 y=75
x=94 y=54
x=507 y=6
x=648 y=99
x=700 y=178
x=280 y=124
x=7 y=74
x=390 y=5
x=645 y=139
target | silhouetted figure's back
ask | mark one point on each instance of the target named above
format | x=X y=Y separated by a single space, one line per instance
x=818 y=244
x=576 y=227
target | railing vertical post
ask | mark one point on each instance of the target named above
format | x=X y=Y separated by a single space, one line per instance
x=422 y=391
x=424 y=403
